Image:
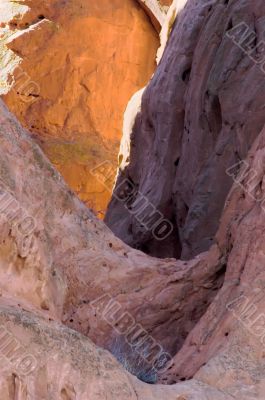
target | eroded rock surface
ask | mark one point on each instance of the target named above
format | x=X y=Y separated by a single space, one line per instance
x=229 y=340
x=46 y=360
x=69 y=260
x=199 y=115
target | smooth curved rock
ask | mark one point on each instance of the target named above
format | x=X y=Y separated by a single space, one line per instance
x=228 y=342
x=71 y=259
x=61 y=270
x=200 y=114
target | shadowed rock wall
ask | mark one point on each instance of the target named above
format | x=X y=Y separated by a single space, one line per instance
x=199 y=115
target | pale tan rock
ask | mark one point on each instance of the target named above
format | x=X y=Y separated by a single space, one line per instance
x=155 y=10
x=176 y=6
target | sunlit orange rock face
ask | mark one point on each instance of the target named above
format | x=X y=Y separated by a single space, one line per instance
x=166 y=2
x=87 y=59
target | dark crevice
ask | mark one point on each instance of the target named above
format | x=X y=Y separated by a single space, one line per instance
x=176 y=163
x=229 y=25
x=213 y=114
x=186 y=75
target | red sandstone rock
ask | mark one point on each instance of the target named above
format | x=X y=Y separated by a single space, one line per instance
x=230 y=336
x=48 y=282
x=58 y=282
x=70 y=259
